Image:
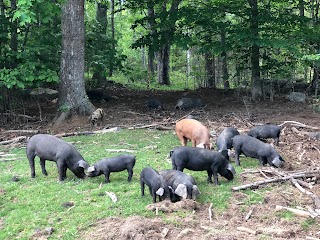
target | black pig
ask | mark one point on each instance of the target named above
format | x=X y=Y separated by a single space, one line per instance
x=153 y=103
x=182 y=185
x=48 y=147
x=189 y=103
x=155 y=182
x=198 y=159
x=115 y=164
x=266 y=131
x=253 y=147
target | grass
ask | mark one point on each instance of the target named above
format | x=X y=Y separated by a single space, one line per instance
x=31 y=204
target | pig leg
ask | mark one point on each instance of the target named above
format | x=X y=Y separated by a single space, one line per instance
x=194 y=143
x=62 y=169
x=31 y=163
x=209 y=176
x=276 y=141
x=142 y=187
x=107 y=175
x=130 y=172
x=237 y=153
x=215 y=175
x=154 y=197
x=263 y=161
x=43 y=166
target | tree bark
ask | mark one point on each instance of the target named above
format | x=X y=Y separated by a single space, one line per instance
x=225 y=75
x=151 y=51
x=14 y=34
x=163 y=65
x=256 y=89
x=99 y=73
x=113 y=48
x=210 y=70
x=72 y=96
x=164 y=50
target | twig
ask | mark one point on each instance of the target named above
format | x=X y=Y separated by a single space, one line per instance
x=263 y=174
x=249 y=214
x=300 y=157
x=210 y=212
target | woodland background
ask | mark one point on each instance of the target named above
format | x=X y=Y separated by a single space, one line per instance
x=256 y=45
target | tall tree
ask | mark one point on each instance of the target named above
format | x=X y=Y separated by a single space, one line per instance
x=167 y=31
x=113 y=40
x=256 y=88
x=99 y=72
x=72 y=96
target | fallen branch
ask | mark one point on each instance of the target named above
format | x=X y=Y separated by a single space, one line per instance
x=120 y=150
x=88 y=132
x=14 y=140
x=21 y=131
x=256 y=184
x=17 y=115
x=154 y=125
x=313 y=135
x=298 y=124
x=314 y=197
x=295 y=211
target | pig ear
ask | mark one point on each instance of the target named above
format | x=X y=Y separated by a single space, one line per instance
x=91 y=169
x=160 y=192
x=195 y=192
x=83 y=164
x=231 y=169
x=181 y=191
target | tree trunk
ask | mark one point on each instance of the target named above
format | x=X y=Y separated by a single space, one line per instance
x=113 y=48
x=225 y=75
x=163 y=65
x=99 y=73
x=72 y=96
x=14 y=35
x=210 y=70
x=301 y=8
x=256 y=86
x=151 y=51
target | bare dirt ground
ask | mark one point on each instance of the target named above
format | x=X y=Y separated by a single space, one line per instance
x=223 y=108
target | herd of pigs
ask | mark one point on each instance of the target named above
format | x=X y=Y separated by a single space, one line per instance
x=173 y=183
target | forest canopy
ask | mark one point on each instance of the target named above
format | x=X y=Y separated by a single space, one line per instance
x=177 y=43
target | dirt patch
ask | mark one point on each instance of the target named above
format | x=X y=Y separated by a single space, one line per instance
x=127 y=108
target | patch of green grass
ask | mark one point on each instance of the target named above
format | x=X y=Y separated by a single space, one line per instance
x=286 y=215
x=31 y=204
x=308 y=223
